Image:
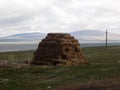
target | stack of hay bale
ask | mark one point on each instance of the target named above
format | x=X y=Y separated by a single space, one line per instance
x=59 y=49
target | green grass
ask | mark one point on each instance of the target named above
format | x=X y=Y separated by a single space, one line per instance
x=105 y=64
x=17 y=56
x=103 y=55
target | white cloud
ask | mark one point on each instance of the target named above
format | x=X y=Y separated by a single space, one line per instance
x=58 y=15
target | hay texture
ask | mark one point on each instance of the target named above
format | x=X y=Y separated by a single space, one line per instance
x=59 y=49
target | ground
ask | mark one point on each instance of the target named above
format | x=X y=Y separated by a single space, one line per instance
x=104 y=71
x=109 y=84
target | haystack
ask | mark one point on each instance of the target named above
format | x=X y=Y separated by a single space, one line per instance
x=59 y=49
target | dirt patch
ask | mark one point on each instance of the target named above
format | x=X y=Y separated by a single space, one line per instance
x=110 y=84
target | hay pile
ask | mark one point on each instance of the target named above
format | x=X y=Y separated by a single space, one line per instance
x=59 y=49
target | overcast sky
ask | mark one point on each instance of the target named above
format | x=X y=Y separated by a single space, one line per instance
x=19 y=16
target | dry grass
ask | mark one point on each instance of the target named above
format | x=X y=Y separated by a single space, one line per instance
x=104 y=65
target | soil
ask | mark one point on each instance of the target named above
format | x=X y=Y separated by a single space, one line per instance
x=110 y=84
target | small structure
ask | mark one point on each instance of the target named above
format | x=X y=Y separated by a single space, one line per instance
x=59 y=49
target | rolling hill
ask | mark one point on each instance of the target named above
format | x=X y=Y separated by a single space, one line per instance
x=95 y=36
x=29 y=37
x=84 y=36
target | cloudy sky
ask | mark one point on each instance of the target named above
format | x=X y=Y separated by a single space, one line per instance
x=19 y=16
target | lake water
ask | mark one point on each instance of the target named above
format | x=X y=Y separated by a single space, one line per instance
x=15 y=46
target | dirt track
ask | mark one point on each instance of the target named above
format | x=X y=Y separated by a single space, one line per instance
x=111 y=84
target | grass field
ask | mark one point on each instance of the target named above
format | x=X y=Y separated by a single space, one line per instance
x=105 y=64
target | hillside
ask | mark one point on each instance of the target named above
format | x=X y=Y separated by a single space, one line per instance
x=91 y=36
x=95 y=36
x=34 y=37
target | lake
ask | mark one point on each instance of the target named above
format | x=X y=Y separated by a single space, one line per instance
x=21 y=46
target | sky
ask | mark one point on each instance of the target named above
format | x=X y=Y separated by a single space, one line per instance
x=20 y=16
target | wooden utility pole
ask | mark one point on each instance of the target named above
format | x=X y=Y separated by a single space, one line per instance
x=106 y=38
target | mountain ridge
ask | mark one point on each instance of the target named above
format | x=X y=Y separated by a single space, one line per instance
x=81 y=35
x=23 y=37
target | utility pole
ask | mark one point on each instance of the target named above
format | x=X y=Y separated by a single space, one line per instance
x=106 y=38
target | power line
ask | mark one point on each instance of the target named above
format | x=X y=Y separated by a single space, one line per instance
x=106 y=38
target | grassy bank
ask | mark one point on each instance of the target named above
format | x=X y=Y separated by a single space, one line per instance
x=105 y=64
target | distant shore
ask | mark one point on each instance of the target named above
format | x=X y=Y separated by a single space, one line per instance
x=23 y=46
